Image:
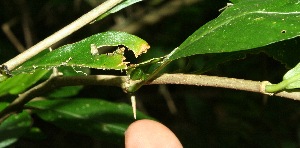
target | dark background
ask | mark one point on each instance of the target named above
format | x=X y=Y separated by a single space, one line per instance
x=203 y=116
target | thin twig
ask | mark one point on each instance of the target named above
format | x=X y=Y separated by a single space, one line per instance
x=57 y=36
x=222 y=82
x=122 y=81
x=26 y=23
x=11 y=36
x=168 y=98
x=155 y=16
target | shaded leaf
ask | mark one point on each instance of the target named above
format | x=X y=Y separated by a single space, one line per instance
x=19 y=83
x=241 y=27
x=35 y=133
x=69 y=91
x=13 y=127
x=92 y=117
x=216 y=59
x=83 y=54
x=287 y=52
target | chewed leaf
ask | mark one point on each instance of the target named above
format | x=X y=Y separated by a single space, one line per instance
x=83 y=53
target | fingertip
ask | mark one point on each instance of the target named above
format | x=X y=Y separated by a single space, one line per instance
x=148 y=133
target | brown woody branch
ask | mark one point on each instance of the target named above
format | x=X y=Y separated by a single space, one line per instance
x=124 y=82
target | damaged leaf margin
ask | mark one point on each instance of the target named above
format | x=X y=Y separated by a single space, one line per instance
x=81 y=53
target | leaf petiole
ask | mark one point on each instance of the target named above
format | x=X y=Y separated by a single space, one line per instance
x=282 y=85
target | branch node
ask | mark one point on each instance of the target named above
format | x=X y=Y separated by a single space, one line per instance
x=263 y=88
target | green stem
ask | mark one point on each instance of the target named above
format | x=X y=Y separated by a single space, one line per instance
x=135 y=85
x=282 y=85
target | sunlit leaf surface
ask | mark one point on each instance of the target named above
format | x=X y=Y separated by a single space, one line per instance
x=87 y=53
x=241 y=27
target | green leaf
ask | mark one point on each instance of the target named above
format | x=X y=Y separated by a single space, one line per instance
x=293 y=74
x=235 y=1
x=19 y=83
x=291 y=80
x=12 y=128
x=214 y=60
x=287 y=52
x=92 y=117
x=142 y=70
x=245 y=25
x=35 y=133
x=69 y=91
x=117 y=8
x=84 y=53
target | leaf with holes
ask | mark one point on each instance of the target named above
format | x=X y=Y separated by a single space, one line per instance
x=85 y=53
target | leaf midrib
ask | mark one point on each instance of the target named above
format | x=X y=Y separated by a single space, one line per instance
x=226 y=22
